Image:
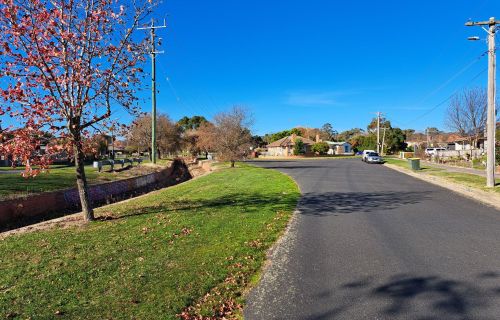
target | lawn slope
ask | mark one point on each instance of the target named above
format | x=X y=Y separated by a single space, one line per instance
x=190 y=249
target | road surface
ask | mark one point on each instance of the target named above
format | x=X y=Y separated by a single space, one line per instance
x=372 y=243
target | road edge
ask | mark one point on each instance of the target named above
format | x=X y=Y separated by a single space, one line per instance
x=481 y=196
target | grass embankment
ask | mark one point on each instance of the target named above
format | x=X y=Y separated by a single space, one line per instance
x=13 y=185
x=467 y=179
x=193 y=248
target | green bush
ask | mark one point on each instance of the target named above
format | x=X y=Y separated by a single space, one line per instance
x=298 y=148
x=320 y=147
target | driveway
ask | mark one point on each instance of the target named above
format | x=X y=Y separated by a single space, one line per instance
x=372 y=243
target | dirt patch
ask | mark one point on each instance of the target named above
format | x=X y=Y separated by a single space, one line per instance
x=59 y=223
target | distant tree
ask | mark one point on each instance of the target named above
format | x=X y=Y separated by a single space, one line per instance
x=364 y=142
x=258 y=142
x=349 y=134
x=433 y=130
x=271 y=137
x=320 y=147
x=298 y=147
x=168 y=134
x=97 y=146
x=408 y=133
x=231 y=138
x=309 y=133
x=206 y=137
x=295 y=131
x=384 y=123
x=192 y=123
x=327 y=132
x=466 y=113
x=395 y=140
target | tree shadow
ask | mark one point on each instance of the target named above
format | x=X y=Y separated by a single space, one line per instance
x=336 y=203
x=251 y=202
x=310 y=204
x=406 y=296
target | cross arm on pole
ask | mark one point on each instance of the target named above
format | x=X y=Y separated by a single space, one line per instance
x=490 y=22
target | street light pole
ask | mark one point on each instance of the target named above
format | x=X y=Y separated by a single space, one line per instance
x=491 y=119
x=378 y=131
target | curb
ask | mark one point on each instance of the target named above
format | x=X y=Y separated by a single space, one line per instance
x=481 y=196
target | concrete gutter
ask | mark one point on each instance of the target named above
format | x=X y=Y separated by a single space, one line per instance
x=485 y=197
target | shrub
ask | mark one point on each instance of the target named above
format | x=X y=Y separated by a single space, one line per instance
x=298 y=148
x=320 y=147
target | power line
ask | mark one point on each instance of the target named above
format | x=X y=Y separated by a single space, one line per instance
x=456 y=75
x=446 y=100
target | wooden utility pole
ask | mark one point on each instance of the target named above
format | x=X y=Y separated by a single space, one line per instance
x=378 y=131
x=383 y=141
x=153 y=86
x=491 y=119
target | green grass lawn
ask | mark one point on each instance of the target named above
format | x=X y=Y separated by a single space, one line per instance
x=58 y=177
x=194 y=247
x=467 y=179
x=305 y=158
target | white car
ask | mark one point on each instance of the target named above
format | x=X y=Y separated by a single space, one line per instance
x=365 y=154
x=374 y=157
x=433 y=151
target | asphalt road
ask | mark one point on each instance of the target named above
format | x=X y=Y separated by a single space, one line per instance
x=372 y=243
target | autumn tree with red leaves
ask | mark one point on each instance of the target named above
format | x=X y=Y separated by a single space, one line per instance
x=66 y=66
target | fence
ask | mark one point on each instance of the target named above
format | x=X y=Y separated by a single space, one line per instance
x=464 y=154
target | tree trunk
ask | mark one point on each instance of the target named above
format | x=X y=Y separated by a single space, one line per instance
x=81 y=181
x=232 y=163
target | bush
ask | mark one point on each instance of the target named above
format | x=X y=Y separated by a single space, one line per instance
x=298 y=148
x=320 y=147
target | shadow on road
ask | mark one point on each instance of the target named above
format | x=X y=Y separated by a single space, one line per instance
x=311 y=204
x=417 y=297
x=334 y=203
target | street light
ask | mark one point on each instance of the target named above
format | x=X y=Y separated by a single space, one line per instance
x=475 y=38
x=491 y=25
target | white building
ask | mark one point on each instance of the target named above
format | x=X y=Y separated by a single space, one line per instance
x=339 y=148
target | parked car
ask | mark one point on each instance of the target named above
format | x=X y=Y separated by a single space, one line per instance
x=365 y=154
x=374 y=157
x=433 y=151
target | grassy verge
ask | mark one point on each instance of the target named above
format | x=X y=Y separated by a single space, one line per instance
x=404 y=164
x=467 y=179
x=305 y=158
x=190 y=249
x=13 y=185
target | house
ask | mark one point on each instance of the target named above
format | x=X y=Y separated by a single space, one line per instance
x=284 y=146
x=339 y=148
x=464 y=143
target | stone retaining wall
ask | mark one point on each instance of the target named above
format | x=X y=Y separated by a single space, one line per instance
x=23 y=211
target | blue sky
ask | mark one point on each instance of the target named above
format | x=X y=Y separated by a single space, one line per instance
x=304 y=63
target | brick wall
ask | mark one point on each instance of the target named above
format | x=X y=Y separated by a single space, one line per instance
x=24 y=211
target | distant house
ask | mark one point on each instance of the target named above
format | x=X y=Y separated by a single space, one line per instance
x=464 y=143
x=339 y=148
x=284 y=147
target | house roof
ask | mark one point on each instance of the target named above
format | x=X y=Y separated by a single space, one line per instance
x=337 y=143
x=288 y=141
